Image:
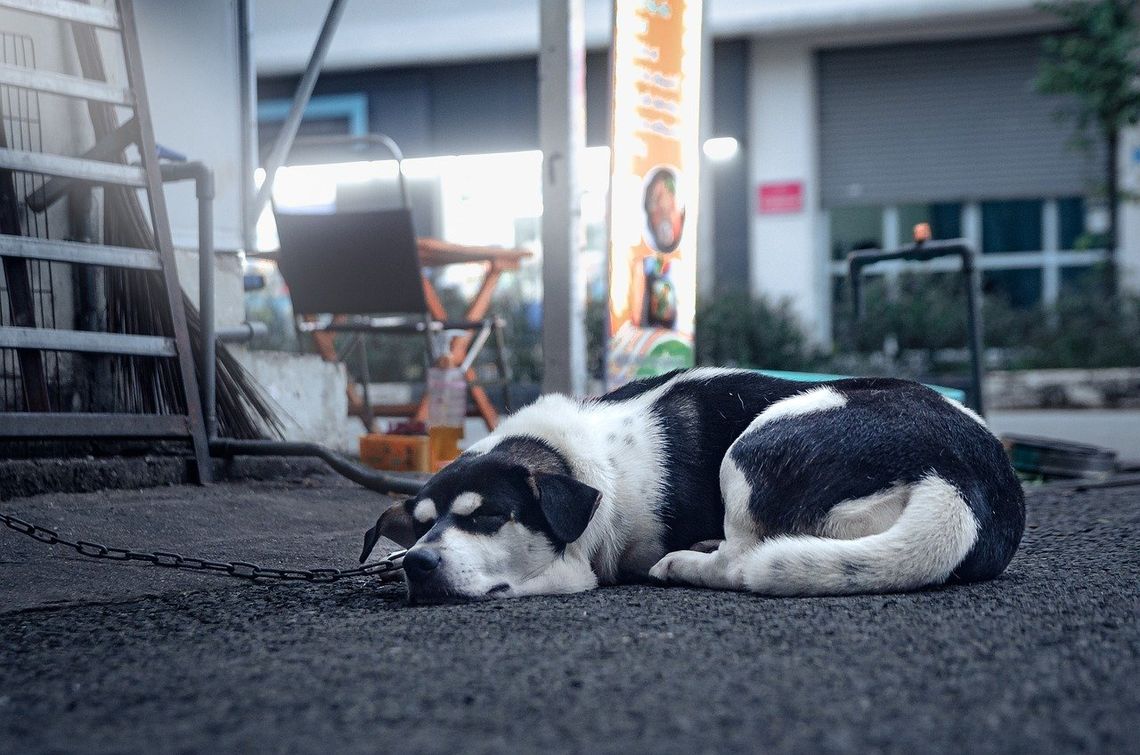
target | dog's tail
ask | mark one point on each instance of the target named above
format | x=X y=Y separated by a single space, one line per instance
x=924 y=545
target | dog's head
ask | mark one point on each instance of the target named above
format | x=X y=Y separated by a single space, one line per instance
x=486 y=527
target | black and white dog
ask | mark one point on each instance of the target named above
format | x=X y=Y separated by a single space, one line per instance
x=852 y=486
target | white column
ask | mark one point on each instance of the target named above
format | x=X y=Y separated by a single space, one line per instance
x=562 y=135
x=788 y=258
x=1128 y=246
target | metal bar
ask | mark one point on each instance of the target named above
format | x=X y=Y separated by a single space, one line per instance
x=161 y=224
x=362 y=140
x=284 y=143
x=242 y=333
x=476 y=346
x=924 y=252
x=368 y=417
x=64 y=10
x=562 y=128
x=77 y=252
x=108 y=148
x=68 y=424
x=203 y=179
x=973 y=283
x=68 y=86
x=21 y=297
x=247 y=72
x=1005 y=261
x=82 y=340
x=72 y=167
x=204 y=190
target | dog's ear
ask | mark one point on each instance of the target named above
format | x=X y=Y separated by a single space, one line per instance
x=566 y=503
x=395 y=524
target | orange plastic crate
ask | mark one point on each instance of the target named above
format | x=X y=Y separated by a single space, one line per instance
x=397 y=453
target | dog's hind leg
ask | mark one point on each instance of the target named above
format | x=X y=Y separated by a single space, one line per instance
x=721 y=568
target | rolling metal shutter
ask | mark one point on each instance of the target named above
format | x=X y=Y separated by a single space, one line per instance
x=943 y=122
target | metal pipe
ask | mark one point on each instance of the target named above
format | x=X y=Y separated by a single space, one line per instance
x=973 y=281
x=242 y=332
x=203 y=179
x=368 y=478
x=924 y=252
x=363 y=140
x=247 y=72
x=284 y=143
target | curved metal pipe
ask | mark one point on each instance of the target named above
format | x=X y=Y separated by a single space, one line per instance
x=368 y=478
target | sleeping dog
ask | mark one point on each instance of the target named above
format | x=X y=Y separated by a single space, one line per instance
x=853 y=486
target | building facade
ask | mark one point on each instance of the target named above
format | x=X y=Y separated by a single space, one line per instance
x=852 y=119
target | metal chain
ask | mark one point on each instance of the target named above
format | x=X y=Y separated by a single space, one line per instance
x=388 y=568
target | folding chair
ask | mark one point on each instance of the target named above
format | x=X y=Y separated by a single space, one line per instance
x=360 y=273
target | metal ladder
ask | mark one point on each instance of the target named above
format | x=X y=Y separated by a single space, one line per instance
x=101 y=165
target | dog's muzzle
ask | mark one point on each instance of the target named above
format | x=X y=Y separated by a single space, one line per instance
x=424 y=577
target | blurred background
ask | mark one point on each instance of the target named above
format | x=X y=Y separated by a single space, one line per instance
x=1007 y=123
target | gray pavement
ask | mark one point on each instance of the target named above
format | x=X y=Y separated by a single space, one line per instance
x=130 y=658
x=1117 y=429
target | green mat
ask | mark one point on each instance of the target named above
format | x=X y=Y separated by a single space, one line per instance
x=812 y=377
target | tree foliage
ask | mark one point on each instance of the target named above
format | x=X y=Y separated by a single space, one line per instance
x=1095 y=61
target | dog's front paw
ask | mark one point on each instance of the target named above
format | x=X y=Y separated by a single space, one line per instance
x=660 y=570
x=687 y=568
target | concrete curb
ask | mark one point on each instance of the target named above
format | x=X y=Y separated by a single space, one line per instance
x=21 y=478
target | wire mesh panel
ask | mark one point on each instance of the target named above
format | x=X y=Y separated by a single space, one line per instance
x=48 y=283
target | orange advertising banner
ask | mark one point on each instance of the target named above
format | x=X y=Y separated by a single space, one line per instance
x=654 y=174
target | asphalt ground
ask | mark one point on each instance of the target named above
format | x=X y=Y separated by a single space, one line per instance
x=132 y=658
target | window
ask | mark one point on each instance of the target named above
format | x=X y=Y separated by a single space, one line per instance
x=1033 y=249
x=1012 y=226
x=855 y=228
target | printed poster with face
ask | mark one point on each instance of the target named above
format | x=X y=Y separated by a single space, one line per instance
x=654 y=170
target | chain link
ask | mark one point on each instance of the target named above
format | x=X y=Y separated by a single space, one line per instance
x=388 y=568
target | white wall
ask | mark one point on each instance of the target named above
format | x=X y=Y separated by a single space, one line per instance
x=190 y=59
x=786 y=250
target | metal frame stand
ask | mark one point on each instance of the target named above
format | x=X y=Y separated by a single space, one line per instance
x=924 y=252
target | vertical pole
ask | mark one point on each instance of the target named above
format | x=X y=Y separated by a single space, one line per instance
x=204 y=189
x=706 y=220
x=247 y=70
x=284 y=142
x=975 y=326
x=562 y=129
x=1051 y=244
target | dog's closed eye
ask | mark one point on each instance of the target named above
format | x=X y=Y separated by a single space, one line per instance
x=486 y=522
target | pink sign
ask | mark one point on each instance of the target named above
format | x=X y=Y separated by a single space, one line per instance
x=780 y=198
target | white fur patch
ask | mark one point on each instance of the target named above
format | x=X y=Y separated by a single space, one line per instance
x=424 y=511
x=466 y=503
x=816 y=400
x=967 y=411
x=871 y=515
x=929 y=539
x=736 y=492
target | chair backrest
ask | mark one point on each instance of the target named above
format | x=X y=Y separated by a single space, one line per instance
x=351 y=263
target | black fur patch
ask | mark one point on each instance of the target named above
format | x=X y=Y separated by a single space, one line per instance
x=890 y=431
x=700 y=418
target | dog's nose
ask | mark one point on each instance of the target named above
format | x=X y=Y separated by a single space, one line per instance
x=420 y=561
